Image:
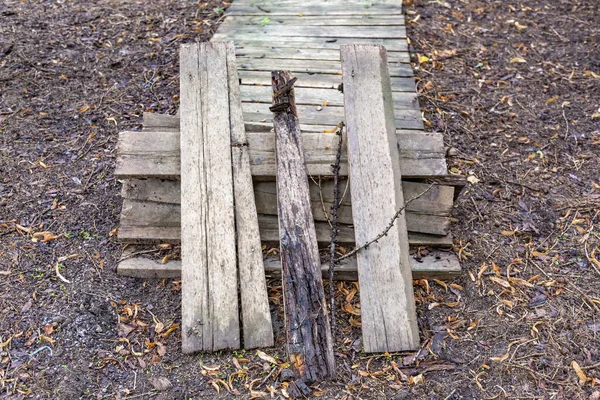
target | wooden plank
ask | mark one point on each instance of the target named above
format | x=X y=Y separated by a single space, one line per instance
x=427 y=214
x=437 y=201
x=345 y=10
x=332 y=97
x=315 y=20
x=256 y=316
x=314 y=43
x=151 y=222
x=311 y=66
x=435 y=265
x=326 y=81
x=209 y=312
x=308 y=333
x=368 y=32
x=275 y=52
x=311 y=42
x=139 y=155
x=311 y=115
x=389 y=320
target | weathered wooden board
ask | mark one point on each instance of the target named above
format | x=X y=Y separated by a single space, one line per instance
x=139 y=155
x=308 y=10
x=256 y=316
x=150 y=222
x=331 y=97
x=315 y=20
x=435 y=265
x=209 y=312
x=311 y=66
x=379 y=32
x=275 y=52
x=311 y=42
x=326 y=81
x=437 y=201
x=315 y=43
x=308 y=332
x=389 y=319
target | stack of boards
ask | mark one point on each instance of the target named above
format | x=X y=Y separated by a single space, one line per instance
x=220 y=192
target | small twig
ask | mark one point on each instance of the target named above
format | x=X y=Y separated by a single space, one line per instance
x=387 y=229
x=334 y=221
x=566 y=122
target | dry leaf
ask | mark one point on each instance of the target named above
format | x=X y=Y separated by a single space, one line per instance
x=500 y=359
x=264 y=356
x=415 y=380
x=472 y=179
x=422 y=58
x=518 y=60
x=349 y=308
x=324 y=103
x=520 y=27
x=582 y=377
x=551 y=99
x=500 y=281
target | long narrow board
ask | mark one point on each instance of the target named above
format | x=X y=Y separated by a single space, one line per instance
x=311 y=43
x=309 y=10
x=277 y=52
x=389 y=319
x=256 y=316
x=209 y=310
x=426 y=214
x=156 y=154
x=320 y=20
x=379 y=32
x=151 y=222
x=435 y=265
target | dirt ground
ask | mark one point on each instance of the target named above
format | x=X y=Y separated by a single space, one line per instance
x=515 y=88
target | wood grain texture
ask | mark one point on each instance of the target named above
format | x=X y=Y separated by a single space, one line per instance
x=427 y=214
x=309 y=340
x=357 y=31
x=389 y=320
x=151 y=222
x=436 y=265
x=256 y=317
x=210 y=316
x=310 y=43
x=317 y=20
x=156 y=154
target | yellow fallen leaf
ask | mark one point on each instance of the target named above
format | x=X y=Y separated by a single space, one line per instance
x=507 y=233
x=332 y=130
x=518 y=60
x=520 y=27
x=264 y=356
x=499 y=281
x=551 y=99
x=499 y=359
x=472 y=179
x=582 y=377
x=84 y=108
x=422 y=58
x=415 y=380
x=324 y=103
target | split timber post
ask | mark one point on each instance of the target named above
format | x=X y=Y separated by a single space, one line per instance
x=309 y=341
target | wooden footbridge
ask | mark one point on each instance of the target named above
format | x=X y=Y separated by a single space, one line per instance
x=161 y=185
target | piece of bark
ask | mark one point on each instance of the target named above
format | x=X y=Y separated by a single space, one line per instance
x=309 y=341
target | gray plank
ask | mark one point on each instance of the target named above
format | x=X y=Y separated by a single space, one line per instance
x=316 y=43
x=256 y=316
x=310 y=42
x=315 y=20
x=313 y=9
x=389 y=320
x=151 y=222
x=310 y=66
x=316 y=97
x=366 y=32
x=275 y=52
x=435 y=265
x=421 y=154
x=437 y=201
x=209 y=312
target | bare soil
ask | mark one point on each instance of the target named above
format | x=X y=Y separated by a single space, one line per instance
x=514 y=87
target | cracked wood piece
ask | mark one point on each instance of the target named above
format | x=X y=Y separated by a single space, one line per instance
x=309 y=341
x=311 y=66
x=209 y=311
x=379 y=32
x=256 y=316
x=311 y=42
x=150 y=222
x=319 y=20
x=156 y=154
x=304 y=43
x=389 y=319
x=436 y=265
x=274 y=52
x=427 y=214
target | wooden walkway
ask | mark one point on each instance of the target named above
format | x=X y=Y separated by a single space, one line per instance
x=304 y=37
